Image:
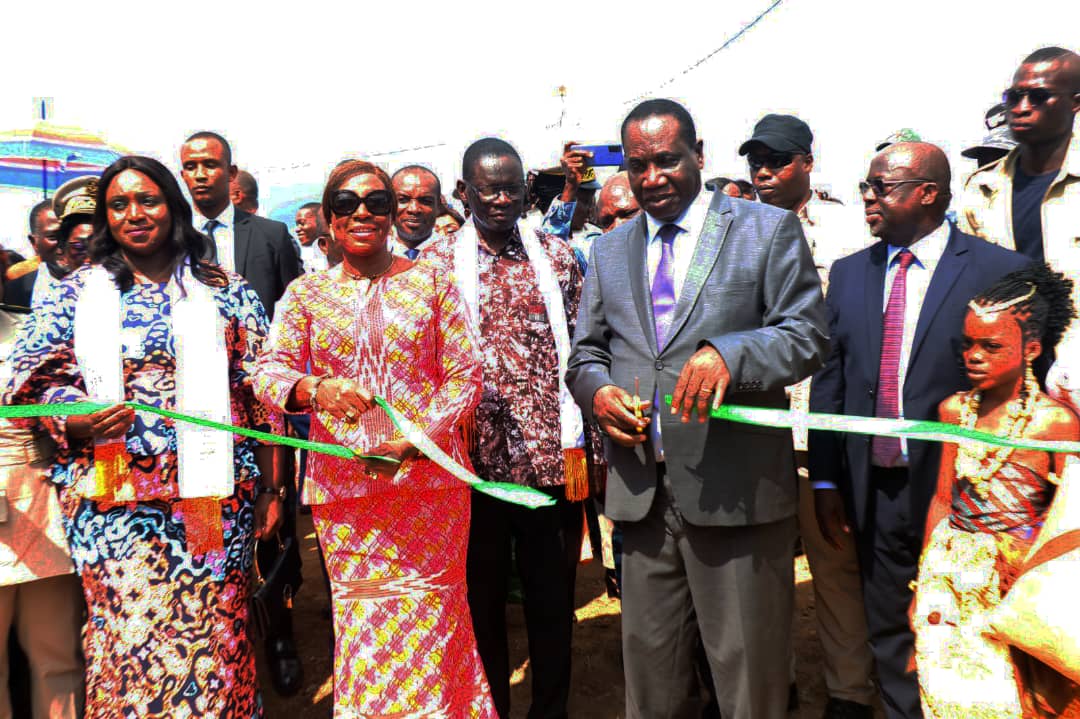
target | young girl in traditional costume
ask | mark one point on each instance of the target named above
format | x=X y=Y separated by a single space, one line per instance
x=991 y=500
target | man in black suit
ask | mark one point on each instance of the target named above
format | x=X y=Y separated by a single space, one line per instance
x=261 y=251
x=896 y=311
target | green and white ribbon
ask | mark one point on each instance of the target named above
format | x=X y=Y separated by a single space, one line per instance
x=906 y=428
x=512 y=493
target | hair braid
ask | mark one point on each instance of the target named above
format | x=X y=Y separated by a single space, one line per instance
x=1048 y=311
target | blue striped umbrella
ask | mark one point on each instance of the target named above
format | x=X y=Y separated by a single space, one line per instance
x=49 y=155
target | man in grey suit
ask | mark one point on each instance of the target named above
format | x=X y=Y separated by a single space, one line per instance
x=710 y=299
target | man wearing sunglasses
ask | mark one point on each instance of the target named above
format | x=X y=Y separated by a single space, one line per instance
x=1030 y=199
x=780 y=158
x=522 y=289
x=896 y=312
x=262 y=252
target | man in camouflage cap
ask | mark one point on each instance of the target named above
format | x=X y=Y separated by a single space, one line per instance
x=73 y=204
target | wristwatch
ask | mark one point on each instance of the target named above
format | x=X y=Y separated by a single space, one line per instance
x=278 y=492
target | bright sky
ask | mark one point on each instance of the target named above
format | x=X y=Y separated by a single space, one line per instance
x=298 y=86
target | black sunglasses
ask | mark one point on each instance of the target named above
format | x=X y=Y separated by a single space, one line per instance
x=773 y=161
x=1036 y=96
x=882 y=187
x=345 y=202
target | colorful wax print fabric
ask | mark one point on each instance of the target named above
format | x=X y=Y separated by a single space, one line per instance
x=517 y=422
x=166 y=630
x=404 y=637
x=403 y=337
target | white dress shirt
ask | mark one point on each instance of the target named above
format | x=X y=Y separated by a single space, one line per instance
x=313 y=258
x=224 y=234
x=690 y=223
x=928 y=251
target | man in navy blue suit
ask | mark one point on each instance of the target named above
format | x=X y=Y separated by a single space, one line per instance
x=895 y=311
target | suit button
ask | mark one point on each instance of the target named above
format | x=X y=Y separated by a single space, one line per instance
x=658 y=365
x=870 y=392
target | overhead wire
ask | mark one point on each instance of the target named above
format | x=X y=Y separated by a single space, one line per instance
x=708 y=57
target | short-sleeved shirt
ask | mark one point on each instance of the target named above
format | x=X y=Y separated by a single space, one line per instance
x=1028 y=194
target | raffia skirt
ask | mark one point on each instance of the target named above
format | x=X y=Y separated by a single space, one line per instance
x=963 y=672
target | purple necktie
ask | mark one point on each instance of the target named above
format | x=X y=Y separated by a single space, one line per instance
x=886 y=450
x=663 y=302
x=663 y=285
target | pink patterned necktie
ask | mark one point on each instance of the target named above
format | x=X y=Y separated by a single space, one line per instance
x=886 y=450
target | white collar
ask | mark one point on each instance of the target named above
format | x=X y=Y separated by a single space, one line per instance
x=227 y=218
x=690 y=221
x=927 y=249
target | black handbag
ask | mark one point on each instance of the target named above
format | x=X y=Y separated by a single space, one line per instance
x=272 y=595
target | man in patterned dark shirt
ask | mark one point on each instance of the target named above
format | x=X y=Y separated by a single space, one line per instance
x=518 y=428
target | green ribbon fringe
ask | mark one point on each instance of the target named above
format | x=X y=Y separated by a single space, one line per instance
x=512 y=493
x=907 y=428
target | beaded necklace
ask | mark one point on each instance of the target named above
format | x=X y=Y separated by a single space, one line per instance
x=978 y=462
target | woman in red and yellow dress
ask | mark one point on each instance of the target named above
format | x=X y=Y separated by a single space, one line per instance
x=394 y=536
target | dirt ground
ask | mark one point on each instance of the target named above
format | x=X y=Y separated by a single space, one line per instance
x=597 y=689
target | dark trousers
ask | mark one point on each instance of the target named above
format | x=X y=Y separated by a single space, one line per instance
x=267 y=551
x=547 y=543
x=889 y=547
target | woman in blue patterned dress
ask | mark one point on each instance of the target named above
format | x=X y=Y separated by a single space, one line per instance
x=164 y=555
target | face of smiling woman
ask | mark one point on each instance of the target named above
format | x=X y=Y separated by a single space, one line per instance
x=137 y=214
x=362 y=234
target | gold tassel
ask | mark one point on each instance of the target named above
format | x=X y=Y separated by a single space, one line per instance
x=111 y=478
x=202 y=525
x=468 y=433
x=577 y=474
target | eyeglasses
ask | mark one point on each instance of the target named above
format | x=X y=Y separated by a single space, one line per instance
x=345 y=202
x=488 y=193
x=1036 y=96
x=773 y=161
x=882 y=187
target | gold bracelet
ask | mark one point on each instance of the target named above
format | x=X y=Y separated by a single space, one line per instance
x=315 y=391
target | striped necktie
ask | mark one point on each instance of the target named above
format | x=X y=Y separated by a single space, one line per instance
x=886 y=450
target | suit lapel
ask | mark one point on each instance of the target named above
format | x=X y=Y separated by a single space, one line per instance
x=952 y=264
x=874 y=301
x=638 y=266
x=241 y=241
x=706 y=252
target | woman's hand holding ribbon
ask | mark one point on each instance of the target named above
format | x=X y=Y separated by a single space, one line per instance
x=343 y=399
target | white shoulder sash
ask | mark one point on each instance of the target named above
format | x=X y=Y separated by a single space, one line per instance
x=205 y=456
x=466 y=272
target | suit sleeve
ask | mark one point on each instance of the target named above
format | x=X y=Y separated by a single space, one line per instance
x=791 y=342
x=827 y=395
x=590 y=358
x=289 y=265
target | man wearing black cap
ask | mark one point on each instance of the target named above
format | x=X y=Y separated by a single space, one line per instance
x=998 y=140
x=780 y=157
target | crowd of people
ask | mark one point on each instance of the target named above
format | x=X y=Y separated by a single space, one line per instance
x=533 y=336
